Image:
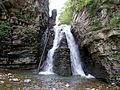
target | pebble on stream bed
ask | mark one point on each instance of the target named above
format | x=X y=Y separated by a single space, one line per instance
x=2 y=82
x=27 y=80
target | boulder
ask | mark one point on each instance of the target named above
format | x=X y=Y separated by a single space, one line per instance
x=62 y=64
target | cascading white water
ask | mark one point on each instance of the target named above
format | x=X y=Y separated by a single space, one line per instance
x=48 y=64
x=74 y=52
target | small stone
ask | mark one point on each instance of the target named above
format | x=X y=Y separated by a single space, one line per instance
x=113 y=84
x=15 y=79
x=100 y=87
x=27 y=80
x=67 y=85
x=9 y=74
x=54 y=89
x=117 y=88
x=87 y=89
x=2 y=82
x=8 y=85
x=10 y=79
x=93 y=89
x=107 y=87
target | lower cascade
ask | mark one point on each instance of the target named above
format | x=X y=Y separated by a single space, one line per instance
x=74 y=52
x=48 y=64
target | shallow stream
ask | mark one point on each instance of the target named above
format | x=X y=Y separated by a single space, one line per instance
x=30 y=80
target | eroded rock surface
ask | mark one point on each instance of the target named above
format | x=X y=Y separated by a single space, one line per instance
x=24 y=23
x=99 y=41
x=62 y=63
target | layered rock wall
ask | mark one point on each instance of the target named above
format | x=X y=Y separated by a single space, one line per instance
x=97 y=33
x=22 y=24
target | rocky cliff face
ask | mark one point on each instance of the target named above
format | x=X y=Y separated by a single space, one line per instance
x=97 y=33
x=22 y=24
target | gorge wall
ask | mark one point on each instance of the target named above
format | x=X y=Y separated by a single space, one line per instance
x=22 y=24
x=97 y=31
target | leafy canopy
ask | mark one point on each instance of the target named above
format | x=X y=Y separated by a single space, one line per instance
x=68 y=9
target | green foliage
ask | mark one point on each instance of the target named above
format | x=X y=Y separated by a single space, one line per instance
x=66 y=14
x=71 y=6
x=95 y=25
x=93 y=7
x=115 y=21
x=4 y=28
x=80 y=4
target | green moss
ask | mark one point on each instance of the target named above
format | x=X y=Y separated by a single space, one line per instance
x=30 y=36
x=115 y=21
x=95 y=25
x=4 y=28
x=23 y=16
x=116 y=56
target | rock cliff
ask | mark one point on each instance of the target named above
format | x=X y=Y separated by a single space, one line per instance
x=22 y=24
x=97 y=31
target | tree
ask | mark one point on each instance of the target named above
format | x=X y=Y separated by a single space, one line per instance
x=66 y=13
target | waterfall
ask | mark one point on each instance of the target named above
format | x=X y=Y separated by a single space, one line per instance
x=48 y=64
x=74 y=52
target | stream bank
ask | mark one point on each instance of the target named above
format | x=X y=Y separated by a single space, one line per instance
x=29 y=80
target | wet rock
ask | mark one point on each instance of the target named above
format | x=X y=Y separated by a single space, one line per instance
x=27 y=80
x=61 y=57
x=87 y=88
x=52 y=19
x=8 y=85
x=2 y=82
x=15 y=79
x=67 y=85
x=17 y=42
x=47 y=36
x=53 y=89
x=9 y=74
x=93 y=89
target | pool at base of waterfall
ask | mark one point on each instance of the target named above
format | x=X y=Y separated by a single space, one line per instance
x=30 y=80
